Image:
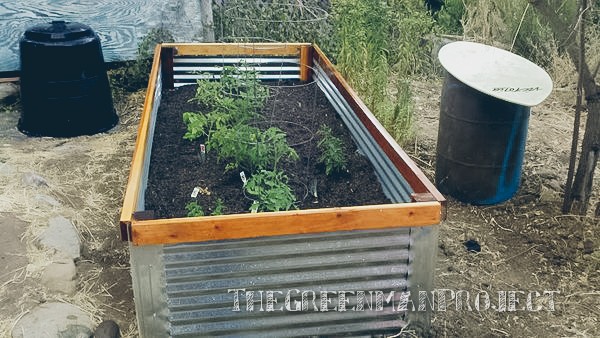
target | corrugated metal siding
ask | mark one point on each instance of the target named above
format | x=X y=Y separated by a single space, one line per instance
x=393 y=183
x=198 y=277
x=189 y=69
x=141 y=201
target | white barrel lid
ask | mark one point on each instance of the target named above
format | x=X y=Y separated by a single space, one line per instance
x=496 y=72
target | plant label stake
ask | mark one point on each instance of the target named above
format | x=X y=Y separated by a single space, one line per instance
x=254 y=207
x=202 y=153
x=195 y=192
x=243 y=177
x=313 y=190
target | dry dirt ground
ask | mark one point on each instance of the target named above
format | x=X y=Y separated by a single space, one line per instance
x=86 y=176
x=526 y=244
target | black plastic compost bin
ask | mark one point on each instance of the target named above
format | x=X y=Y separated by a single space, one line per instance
x=64 y=85
x=483 y=121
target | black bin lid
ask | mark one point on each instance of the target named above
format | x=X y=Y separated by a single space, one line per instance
x=58 y=31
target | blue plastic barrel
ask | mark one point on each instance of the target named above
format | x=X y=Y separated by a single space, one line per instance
x=481 y=145
x=484 y=114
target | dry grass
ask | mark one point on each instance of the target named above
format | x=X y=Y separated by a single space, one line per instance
x=526 y=243
x=86 y=175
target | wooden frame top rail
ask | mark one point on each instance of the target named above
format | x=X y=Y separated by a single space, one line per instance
x=247 y=225
x=409 y=170
x=241 y=48
x=427 y=208
x=130 y=199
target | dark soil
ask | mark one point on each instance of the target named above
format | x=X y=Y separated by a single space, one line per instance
x=299 y=110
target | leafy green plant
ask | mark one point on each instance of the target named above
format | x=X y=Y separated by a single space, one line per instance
x=219 y=207
x=271 y=191
x=250 y=148
x=380 y=41
x=232 y=100
x=194 y=209
x=449 y=18
x=204 y=124
x=243 y=82
x=134 y=75
x=332 y=151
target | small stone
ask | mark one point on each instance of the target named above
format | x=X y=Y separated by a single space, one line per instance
x=60 y=276
x=588 y=246
x=6 y=169
x=472 y=246
x=548 y=195
x=34 y=180
x=547 y=174
x=554 y=185
x=9 y=92
x=107 y=329
x=47 y=200
x=62 y=236
x=53 y=320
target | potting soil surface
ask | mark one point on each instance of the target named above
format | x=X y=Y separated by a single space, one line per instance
x=299 y=110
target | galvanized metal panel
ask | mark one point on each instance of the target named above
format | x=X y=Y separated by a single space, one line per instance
x=141 y=198
x=199 y=276
x=182 y=290
x=393 y=183
x=187 y=70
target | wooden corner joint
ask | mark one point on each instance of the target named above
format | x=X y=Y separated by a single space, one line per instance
x=143 y=215
x=126 y=225
x=125 y=231
x=422 y=197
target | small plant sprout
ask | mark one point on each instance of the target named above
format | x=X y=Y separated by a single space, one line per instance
x=194 y=209
x=218 y=209
x=332 y=151
x=271 y=191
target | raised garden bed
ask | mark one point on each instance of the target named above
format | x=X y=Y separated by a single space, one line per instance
x=385 y=242
x=297 y=109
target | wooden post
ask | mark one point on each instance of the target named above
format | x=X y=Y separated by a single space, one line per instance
x=166 y=58
x=305 y=62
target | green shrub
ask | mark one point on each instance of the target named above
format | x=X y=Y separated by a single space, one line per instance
x=134 y=75
x=449 y=18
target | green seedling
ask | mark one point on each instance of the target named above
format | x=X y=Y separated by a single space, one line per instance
x=218 y=209
x=332 y=151
x=194 y=209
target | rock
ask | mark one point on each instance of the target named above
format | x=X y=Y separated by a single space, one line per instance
x=588 y=247
x=12 y=250
x=547 y=174
x=60 y=276
x=6 y=169
x=107 y=329
x=62 y=236
x=53 y=320
x=554 y=185
x=34 y=180
x=548 y=195
x=47 y=200
x=472 y=245
x=9 y=92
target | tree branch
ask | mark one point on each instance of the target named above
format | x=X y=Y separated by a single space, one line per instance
x=563 y=31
